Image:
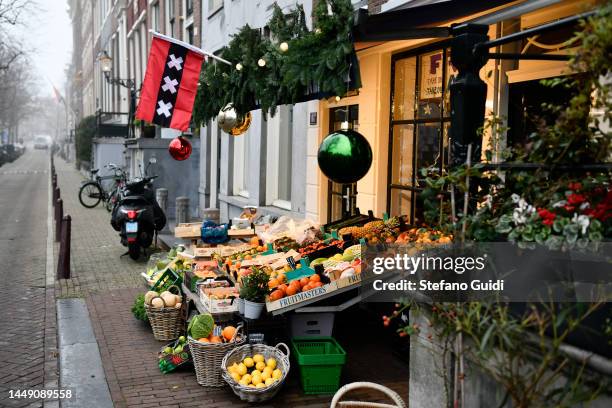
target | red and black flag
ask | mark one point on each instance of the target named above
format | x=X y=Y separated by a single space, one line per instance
x=170 y=84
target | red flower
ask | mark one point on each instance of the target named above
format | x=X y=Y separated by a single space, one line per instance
x=575 y=186
x=548 y=217
x=575 y=199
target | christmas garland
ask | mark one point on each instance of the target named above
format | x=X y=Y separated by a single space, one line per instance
x=290 y=66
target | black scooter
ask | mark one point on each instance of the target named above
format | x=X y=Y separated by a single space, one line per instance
x=137 y=216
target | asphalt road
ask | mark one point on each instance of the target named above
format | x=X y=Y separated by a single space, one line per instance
x=23 y=237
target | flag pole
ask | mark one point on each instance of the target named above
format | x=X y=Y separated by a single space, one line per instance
x=189 y=46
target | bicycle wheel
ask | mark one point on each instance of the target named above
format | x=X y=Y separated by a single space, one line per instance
x=112 y=200
x=90 y=194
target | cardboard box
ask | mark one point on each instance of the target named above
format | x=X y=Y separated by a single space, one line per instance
x=214 y=300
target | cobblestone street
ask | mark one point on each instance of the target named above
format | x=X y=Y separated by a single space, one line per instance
x=23 y=236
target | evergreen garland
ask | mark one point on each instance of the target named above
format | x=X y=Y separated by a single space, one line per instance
x=317 y=61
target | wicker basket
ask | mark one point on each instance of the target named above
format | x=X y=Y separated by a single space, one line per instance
x=256 y=394
x=207 y=358
x=167 y=322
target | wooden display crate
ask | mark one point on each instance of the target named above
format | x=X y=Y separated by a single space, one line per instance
x=188 y=230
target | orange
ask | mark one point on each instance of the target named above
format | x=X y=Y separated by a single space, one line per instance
x=282 y=287
x=276 y=295
x=228 y=332
x=306 y=287
x=248 y=257
x=315 y=278
x=304 y=281
x=291 y=290
x=215 y=339
x=316 y=284
x=204 y=340
x=255 y=241
x=272 y=283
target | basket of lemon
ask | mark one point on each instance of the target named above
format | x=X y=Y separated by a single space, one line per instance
x=256 y=372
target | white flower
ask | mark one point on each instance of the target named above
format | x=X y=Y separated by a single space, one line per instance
x=582 y=221
x=584 y=206
x=488 y=201
x=515 y=198
x=561 y=203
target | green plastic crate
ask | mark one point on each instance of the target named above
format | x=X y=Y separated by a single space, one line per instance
x=320 y=360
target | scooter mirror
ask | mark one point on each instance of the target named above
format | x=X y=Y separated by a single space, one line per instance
x=152 y=160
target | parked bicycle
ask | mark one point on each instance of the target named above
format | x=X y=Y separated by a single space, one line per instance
x=92 y=192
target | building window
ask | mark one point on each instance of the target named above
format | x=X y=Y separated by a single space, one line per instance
x=155 y=16
x=189 y=7
x=342 y=198
x=279 y=158
x=420 y=120
x=214 y=6
x=189 y=32
x=170 y=18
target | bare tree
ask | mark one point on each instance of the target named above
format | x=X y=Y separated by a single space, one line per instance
x=11 y=11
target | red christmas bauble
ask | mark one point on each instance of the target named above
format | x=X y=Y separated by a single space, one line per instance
x=180 y=148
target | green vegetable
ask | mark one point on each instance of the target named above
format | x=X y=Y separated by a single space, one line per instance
x=138 y=309
x=201 y=326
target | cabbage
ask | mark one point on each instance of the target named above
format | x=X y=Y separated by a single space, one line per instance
x=201 y=326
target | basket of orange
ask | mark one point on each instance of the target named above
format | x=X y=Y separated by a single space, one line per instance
x=208 y=344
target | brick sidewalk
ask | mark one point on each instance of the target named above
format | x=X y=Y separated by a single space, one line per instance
x=96 y=265
x=127 y=347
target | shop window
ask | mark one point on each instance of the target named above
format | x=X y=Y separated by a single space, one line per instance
x=419 y=124
x=342 y=198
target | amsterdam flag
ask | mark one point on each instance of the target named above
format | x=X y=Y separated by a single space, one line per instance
x=170 y=84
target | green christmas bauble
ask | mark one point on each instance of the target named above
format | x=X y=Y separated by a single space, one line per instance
x=345 y=156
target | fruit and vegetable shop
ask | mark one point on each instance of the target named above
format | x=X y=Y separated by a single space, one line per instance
x=273 y=306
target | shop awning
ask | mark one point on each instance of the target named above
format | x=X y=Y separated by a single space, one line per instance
x=417 y=19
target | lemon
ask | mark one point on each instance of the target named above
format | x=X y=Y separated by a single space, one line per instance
x=277 y=374
x=243 y=382
x=256 y=379
x=260 y=385
x=258 y=357
x=246 y=378
x=255 y=372
x=252 y=386
x=266 y=374
x=268 y=370
x=269 y=381
x=249 y=362
x=236 y=377
x=272 y=363
x=241 y=369
x=233 y=368
x=260 y=365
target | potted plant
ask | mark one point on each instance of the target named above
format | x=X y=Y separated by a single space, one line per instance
x=253 y=291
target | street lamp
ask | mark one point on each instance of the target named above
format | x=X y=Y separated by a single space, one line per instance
x=106 y=64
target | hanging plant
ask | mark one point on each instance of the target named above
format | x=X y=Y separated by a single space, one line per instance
x=286 y=68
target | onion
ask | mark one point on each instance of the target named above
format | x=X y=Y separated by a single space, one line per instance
x=149 y=296
x=157 y=303
x=169 y=298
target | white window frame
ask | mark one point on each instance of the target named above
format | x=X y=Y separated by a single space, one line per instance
x=214 y=6
x=155 y=16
